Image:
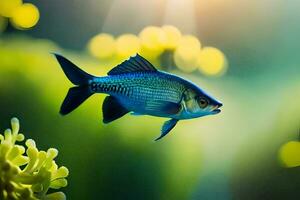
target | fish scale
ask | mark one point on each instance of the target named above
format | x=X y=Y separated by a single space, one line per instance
x=142 y=86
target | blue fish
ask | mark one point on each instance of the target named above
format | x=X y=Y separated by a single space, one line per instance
x=136 y=86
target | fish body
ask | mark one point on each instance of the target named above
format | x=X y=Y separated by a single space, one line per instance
x=142 y=92
x=136 y=86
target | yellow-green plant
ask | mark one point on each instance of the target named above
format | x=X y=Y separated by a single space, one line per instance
x=25 y=172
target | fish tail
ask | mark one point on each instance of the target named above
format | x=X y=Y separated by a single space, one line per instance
x=78 y=94
x=74 y=74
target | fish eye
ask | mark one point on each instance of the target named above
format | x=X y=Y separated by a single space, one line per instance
x=202 y=102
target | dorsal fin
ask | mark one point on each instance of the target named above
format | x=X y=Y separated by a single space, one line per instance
x=134 y=64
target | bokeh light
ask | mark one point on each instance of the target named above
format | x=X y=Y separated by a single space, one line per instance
x=185 y=55
x=7 y=7
x=25 y=16
x=102 y=46
x=163 y=46
x=127 y=45
x=211 y=61
x=172 y=37
x=153 y=40
x=289 y=154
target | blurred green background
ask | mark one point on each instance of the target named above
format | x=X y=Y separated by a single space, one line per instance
x=232 y=155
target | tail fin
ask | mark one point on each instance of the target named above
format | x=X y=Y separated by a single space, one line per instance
x=74 y=74
x=76 y=95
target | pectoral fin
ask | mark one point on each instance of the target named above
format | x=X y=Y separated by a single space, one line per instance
x=112 y=109
x=163 y=106
x=167 y=127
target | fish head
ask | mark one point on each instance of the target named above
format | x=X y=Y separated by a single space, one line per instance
x=198 y=103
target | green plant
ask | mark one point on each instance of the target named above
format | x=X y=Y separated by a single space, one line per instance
x=25 y=172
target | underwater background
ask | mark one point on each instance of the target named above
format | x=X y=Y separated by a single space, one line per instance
x=245 y=53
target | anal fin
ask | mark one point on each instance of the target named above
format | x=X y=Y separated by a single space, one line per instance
x=112 y=109
x=167 y=127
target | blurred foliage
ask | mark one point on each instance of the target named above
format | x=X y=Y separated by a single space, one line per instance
x=3 y=24
x=249 y=151
x=165 y=46
x=256 y=172
x=120 y=161
x=28 y=177
x=22 y=16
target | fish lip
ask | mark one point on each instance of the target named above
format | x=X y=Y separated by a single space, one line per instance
x=216 y=109
x=218 y=105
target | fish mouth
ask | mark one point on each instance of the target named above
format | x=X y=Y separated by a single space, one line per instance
x=216 y=110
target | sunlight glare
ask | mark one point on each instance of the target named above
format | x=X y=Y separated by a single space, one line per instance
x=182 y=15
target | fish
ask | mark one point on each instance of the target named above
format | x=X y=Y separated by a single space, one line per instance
x=135 y=86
